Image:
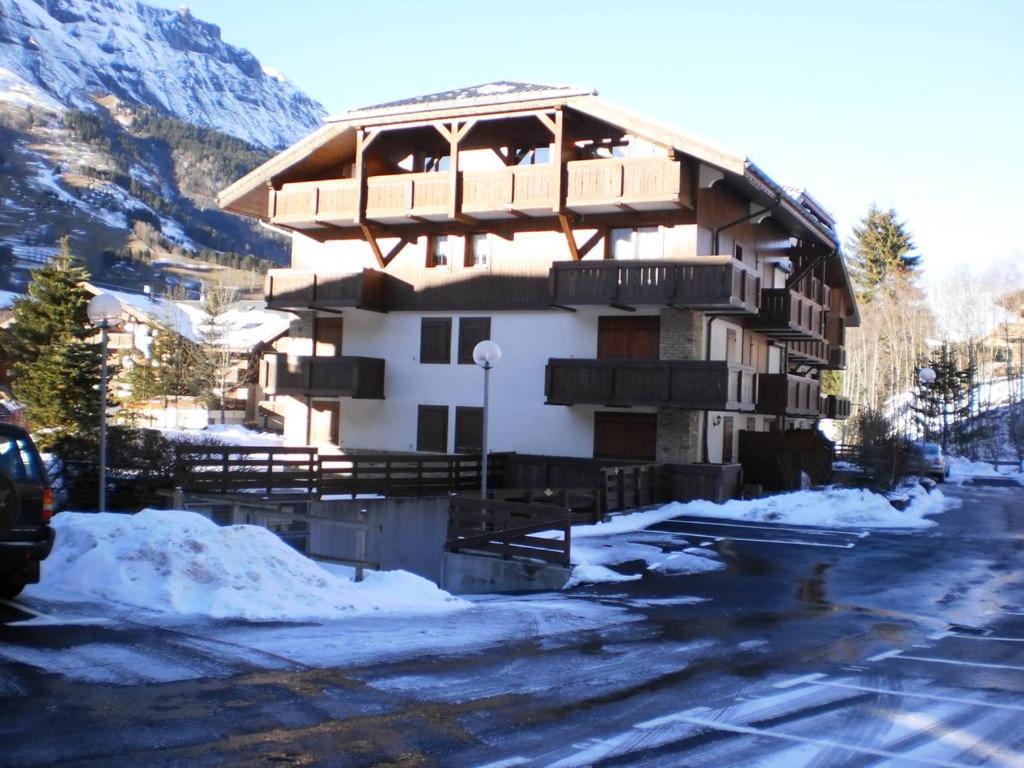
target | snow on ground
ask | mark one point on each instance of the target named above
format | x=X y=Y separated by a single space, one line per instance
x=961 y=468
x=177 y=562
x=229 y=434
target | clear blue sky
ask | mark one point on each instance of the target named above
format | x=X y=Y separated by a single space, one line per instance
x=917 y=105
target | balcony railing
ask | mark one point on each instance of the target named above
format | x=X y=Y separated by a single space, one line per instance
x=506 y=192
x=835 y=407
x=837 y=358
x=308 y=204
x=786 y=314
x=699 y=384
x=356 y=377
x=809 y=352
x=296 y=290
x=785 y=394
x=610 y=185
x=717 y=283
x=400 y=197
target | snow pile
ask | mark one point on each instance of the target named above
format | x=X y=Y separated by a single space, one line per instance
x=228 y=434
x=960 y=467
x=179 y=562
x=833 y=508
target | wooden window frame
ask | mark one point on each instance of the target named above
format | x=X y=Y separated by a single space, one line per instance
x=420 y=412
x=439 y=322
x=461 y=412
x=465 y=349
x=469 y=252
x=431 y=262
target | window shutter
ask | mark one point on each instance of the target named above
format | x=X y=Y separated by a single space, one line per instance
x=436 y=340
x=472 y=330
x=469 y=429
x=432 y=428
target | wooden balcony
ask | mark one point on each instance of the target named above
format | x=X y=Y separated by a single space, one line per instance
x=356 y=377
x=788 y=395
x=699 y=384
x=835 y=407
x=718 y=283
x=814 y=353
x=404 y=197
x=836 y=358
x=293 y=289
x=640 y=184
x=529 y=190
x=787 y=315
x=311 y=204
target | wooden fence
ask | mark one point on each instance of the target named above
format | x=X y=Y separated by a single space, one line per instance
x=399 y=475
x=239 y=469
x=507 y=528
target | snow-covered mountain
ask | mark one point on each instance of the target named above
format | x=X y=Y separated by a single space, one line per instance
x=66 y=52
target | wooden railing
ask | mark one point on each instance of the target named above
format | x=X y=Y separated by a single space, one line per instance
x=717 y=283
x=837 y=358
x=604 y=185
x=810 y=352
x=400 y=196
x=399 y=474
x=699 y=384
x=298 y=289
x=634 y=486
x=529 y=189
x=237 y=469
x=333 y=201
x=356 y=377
x=835 y=407
x=786 y=314
x=506 y=529
x=781 y=393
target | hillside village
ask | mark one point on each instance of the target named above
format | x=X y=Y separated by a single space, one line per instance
x=496 y=421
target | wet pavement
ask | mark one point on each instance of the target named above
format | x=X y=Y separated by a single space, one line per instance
x=813 y=647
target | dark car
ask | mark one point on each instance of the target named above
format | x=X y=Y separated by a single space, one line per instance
x=26 y=506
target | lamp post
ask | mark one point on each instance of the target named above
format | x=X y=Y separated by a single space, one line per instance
x=105 y=313
x=486 y=354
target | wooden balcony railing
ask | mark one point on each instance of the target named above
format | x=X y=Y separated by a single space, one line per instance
x=785 y=394
x=837 y=358
x=399 y=197
x=606 y=185
x=809 y=352
x=717 y=283
x=700 y=384
x=786 y=314
x=307 y=204
x=506 y=192
x=356 y=377
x=835 y=407
x=296 y=290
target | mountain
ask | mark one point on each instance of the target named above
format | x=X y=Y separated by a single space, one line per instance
x=118 y=124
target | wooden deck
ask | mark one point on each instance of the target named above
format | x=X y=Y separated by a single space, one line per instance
x=718 y=283
x=698 y=384
x=356 y=377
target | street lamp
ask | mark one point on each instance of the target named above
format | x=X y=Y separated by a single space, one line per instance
x=486 y=354
x=105 y=313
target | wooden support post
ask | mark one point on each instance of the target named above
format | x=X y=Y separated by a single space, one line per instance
x=371 y=238
x=570 y=239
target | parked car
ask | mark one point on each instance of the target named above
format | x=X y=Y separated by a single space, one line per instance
x=928 y=459
x=26 y=506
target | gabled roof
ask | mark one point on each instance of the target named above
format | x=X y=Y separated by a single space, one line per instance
x=499 y=92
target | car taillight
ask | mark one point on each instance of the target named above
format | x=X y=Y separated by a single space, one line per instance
x=47 y=505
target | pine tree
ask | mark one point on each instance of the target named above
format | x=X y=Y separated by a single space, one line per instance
x=880 y=250
x=56 y=361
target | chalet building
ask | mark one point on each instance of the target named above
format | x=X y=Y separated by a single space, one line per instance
x=655 y=298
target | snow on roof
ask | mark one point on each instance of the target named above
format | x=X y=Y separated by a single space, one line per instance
x=498 y=92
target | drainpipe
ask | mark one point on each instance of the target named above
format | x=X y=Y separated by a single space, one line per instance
x=707 y=356
x=748 y=217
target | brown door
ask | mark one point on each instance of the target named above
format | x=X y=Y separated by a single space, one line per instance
x=328 y=336
x=628 y=338
x=324 y=422
x=625 y=435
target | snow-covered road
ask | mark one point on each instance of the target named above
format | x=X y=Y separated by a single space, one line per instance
x=825 y=646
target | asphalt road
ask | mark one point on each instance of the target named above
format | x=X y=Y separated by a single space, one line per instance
x=823 y=648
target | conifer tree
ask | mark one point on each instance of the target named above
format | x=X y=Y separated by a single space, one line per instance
x=880 y=250
x=56 y=362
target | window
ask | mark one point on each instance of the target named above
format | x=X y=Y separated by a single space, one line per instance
x=472 y=330
x=439 y=250
x=432 y=428
x=469 y=429
x=738 y=252
x=478 y=251
x=436 y=340
x=19 y=460
x=640 y=243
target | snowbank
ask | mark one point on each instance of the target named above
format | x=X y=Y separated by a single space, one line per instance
x=179 y=562
x=228 y=434
x=834 y=508
x=960 y=467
